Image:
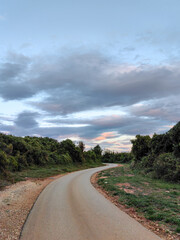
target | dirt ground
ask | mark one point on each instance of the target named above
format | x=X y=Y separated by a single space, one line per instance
x=154 y=227
x=16 y=202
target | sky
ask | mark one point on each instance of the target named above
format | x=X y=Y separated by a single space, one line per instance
x=99 y=71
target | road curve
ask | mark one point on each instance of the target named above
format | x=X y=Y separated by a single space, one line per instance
x=70 y=208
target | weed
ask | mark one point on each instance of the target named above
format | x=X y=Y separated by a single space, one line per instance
x=157 y=200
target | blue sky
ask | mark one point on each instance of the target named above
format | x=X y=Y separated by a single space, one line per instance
x=97 y=71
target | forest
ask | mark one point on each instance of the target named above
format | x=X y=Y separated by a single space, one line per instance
x=158 y=156
x=19 y=153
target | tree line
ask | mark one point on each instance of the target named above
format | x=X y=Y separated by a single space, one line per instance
x=158 y=156
x=116 y=157
x=18 y=153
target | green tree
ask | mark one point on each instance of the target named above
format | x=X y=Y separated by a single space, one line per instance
x=81 y=146
x=141 y=147
x=3 y=160
x=98 y=151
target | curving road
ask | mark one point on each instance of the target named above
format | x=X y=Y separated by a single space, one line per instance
x=70 y=208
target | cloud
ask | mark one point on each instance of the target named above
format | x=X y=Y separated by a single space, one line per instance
x=89 y=87
x=15 y=91
x=105 y=130
x=60 y=87
x=9 y=71
x=164 y=109
x=80 y=82
x=105 y=135
x=13 y=78
x=26 y=120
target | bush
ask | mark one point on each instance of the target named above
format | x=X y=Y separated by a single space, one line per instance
x=90 y=156
x=13 y=164
x=167 y=166
x=159 y=155
x=3 y=160
x=113 y=157
x=148 y=161
x=66 y=158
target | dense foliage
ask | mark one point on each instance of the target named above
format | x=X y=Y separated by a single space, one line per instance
x=17 y=153
x=113 y=157
x=159 y=155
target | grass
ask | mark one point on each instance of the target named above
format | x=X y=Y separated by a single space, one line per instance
x=156 y=200
x=41 y=172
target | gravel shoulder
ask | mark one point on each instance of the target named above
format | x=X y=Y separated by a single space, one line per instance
x=16 y=202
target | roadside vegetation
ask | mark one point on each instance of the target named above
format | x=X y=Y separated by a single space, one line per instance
x=115 y=157
x=156 y=200
x=42 y=157
x=157 y=156
x=149 y=179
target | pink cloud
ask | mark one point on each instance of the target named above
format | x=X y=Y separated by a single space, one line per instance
x=105 y=135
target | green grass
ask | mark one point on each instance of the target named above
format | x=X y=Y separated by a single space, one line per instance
x=157 y=200
x=41 y=172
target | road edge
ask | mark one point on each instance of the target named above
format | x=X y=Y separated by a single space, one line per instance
x=152 y=226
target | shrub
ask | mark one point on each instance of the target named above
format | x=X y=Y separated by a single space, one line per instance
x=3 y=160
x=66 y=158
x=13 y=163
x=90 y=156
x=167 y=166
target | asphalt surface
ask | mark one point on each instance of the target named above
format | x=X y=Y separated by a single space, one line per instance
x=70 y=208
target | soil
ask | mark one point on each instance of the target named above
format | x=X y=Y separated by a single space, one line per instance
x=16 y=202
x=161 y=231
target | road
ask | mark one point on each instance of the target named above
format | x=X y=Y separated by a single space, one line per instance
x=70 y=208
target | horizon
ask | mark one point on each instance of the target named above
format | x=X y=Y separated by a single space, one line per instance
x=92 y=71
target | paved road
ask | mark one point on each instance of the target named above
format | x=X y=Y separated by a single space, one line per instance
x=70 y=208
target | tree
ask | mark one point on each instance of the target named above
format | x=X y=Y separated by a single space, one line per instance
x=81 y=146
x=67 y=146
x=141 y=147
x=97 y=149
x=3 y=160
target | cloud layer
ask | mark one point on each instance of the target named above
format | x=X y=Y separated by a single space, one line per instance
x=61 y=87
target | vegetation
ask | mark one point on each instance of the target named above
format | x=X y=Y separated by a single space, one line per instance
x=159 y=156
x=150 y=183
x=113 y=157
x=19 y=155
x=157 y=200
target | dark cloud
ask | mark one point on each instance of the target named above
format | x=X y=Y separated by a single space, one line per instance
x=15 y=91
x=26 y=120
x=163 y=109
x=109 y=128
x=13 y=78
x=9 y=71
x=86 y=81
x=128 y=125
x=89 y=81
x=81 y=93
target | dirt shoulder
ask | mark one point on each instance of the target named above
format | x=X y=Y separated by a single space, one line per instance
x=16 y=202
x=154 y=227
